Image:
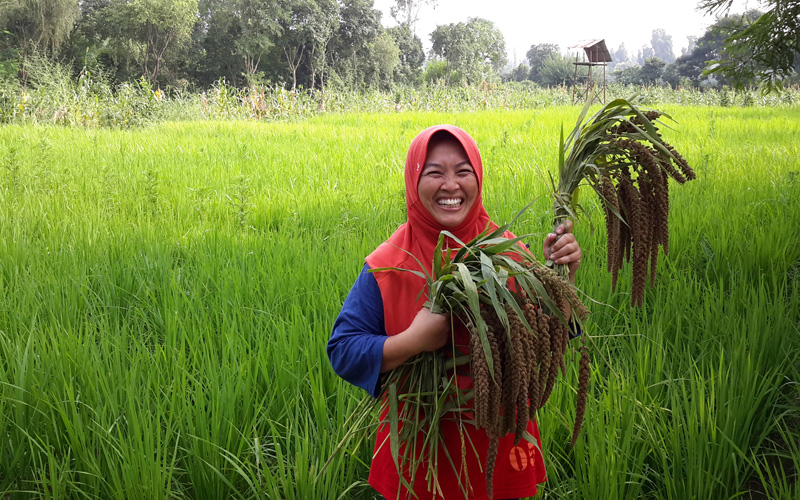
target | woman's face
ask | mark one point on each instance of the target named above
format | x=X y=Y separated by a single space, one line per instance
x=448 y=186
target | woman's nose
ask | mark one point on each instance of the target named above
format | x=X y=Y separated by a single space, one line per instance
x=450 y=182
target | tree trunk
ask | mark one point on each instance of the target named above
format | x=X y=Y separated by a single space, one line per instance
x=152 y=46
x=293 y=63
x=251 y=65
x=313 y=66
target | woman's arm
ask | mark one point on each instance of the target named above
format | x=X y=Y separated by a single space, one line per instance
x=359 y=349
x=428 y=332
x=355 y=348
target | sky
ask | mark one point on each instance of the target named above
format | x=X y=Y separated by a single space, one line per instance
x=566 y=23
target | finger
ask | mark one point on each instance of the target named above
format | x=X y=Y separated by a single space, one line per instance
x=566 y=250
x=569 y=258
x=567 y=226
x=548 y=242
x=562 y=242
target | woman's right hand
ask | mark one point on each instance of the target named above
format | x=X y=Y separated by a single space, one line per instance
x=428 y=331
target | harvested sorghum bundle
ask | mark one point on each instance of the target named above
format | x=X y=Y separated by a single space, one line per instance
x=517 y=342
x=621 y=154
x=528 y=356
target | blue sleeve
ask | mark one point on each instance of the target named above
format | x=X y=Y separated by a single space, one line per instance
x=574 y=329
x=355 y=348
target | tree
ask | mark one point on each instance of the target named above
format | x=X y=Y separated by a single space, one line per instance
x=39 y=24
x=489 y=45
x=670 y=75
x=436 y=71
x=708 y=47
x=556 y=70
x=411 y=54
x=307 y=29
x=258 y=28
x=647 y=74
x=536 y=56
x=359 y=26
x=630 y=75
x=385 y=56
x=214 y=52
x=153 y=26
x=763 y=50
x=520 y=73
x=406 y=12
x=651 y=71
x=474 y=51
x=690 y=46
x=662 y=45
x=102 y=41
x=645 y=53
x=321 y=30
x=618 y=56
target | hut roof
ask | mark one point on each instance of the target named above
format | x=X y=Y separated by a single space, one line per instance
x=596 y=51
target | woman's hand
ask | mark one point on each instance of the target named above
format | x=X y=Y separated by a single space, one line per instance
x=566 y=250
x=428 y=332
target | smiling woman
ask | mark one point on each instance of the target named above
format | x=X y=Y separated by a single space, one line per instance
x=383 y=324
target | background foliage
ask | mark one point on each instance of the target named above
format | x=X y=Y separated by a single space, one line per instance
x=309 y=44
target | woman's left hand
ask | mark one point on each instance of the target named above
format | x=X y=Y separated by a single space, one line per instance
x=566 y=250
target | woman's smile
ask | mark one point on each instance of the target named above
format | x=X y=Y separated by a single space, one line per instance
x=450 y=203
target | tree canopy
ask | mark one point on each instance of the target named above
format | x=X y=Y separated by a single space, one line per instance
x=39 y=24
x=763 y=50
x=662 y=45
x=474 y=51
x=314 y=43
x=536 y=55
x=411 y=55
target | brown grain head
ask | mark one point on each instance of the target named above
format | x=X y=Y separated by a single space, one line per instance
x=491 y=459
x=610 y=205
x=481 y=378
x=545 y=357
x=584 y=373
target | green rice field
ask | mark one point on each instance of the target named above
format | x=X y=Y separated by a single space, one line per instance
x=166 y=294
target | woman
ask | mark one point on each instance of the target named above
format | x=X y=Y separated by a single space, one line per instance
x=383 y=322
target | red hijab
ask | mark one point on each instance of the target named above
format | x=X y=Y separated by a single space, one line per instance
x=420 y=233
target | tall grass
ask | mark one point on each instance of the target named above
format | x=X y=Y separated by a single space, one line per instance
x=53 y=96
x=166 y=294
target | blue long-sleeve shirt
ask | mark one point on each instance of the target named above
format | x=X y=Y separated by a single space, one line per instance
x=356 y=344
x=355 y=348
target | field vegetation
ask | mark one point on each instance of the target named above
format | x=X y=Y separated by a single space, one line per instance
x=94 y=100
x=166 y=294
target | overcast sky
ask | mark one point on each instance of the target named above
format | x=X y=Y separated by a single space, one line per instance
x=526 y=22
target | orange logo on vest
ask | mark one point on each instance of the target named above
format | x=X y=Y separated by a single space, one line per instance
x=521 y=458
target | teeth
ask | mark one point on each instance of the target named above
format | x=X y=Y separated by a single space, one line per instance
x=450 y=202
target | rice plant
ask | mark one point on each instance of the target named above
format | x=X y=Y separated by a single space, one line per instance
x=173 y=355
